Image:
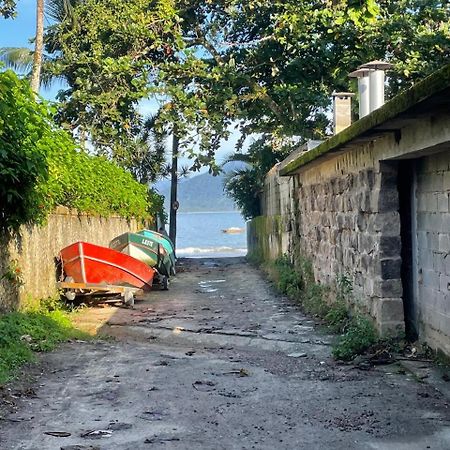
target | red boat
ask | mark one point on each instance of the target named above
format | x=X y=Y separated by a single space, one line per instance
x=92 y=264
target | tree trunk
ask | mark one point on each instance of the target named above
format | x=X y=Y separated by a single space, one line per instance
x=38 y=47
x=173 y=187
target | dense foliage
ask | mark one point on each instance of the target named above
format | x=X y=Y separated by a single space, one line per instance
x=278 y=61
x=267 y=65
x=41 y=167
x=245 y=185
x=108 y=52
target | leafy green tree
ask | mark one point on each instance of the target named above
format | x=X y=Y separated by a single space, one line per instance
x=108 y=53
x=278 y=61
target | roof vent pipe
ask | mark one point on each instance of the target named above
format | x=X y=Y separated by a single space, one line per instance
x=363 y=91
x=376 y=82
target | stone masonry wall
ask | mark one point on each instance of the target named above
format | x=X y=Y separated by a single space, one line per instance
x=343 y=216
x=433 y=250
x=34 y=249
x=342 y=212
x=348 y=224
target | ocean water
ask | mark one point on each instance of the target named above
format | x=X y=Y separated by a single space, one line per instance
x=199 y=235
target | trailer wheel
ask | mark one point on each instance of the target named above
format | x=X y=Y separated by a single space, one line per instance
x=128 y=298
x=70 y=295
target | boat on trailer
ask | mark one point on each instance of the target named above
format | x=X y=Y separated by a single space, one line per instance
x=90 y=267
x=165 y=242
x=147 y=250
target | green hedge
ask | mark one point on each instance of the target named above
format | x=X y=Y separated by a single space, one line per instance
x=41 y=167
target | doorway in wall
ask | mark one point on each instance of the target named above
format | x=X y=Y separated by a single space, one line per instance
x=407 y=209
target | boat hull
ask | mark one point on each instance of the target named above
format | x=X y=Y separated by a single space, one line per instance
x=165 y=242
x=145 y=249
x=93 y=264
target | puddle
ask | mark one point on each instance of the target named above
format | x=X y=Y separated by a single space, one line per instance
x=207 y=286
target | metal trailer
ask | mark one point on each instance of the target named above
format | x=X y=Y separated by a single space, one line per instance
x=72 y=290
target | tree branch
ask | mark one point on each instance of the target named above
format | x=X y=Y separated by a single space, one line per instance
x=257 y=89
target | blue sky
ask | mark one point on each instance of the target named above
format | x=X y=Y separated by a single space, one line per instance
x=18 y=32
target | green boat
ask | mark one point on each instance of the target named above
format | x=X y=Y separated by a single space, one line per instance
x=149 y=251
x=164 y=241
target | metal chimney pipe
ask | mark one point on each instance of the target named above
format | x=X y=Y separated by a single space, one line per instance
x=363 y=90
x=376 y=82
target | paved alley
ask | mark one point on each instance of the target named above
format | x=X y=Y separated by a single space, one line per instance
x=220 y=361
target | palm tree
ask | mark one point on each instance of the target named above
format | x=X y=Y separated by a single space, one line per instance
x=245 y=183
x=38 y=47
x=29 y=62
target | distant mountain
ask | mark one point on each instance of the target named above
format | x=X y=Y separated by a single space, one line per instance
x=199 y=193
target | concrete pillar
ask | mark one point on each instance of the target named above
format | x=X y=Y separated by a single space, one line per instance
x=342 y=111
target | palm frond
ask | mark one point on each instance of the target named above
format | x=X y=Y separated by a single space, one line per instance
x=60 y=10
x=238 y=157
x=17 y=58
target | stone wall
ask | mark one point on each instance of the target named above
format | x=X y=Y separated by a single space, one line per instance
x=349 y=226
x=433 y=250
x=372 y=203
x=269 y=235
x=34 y=249
x=342 y=212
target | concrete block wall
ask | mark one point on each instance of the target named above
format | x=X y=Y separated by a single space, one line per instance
x=270 y=235
x=35 y=248
x=433 y=250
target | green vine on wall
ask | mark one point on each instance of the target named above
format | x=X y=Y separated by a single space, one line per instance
x=42 y=167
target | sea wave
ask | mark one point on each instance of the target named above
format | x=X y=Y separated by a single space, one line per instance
x=209 y=250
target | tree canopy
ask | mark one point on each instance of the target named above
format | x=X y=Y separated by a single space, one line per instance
x=267 y=65
x=280 y=60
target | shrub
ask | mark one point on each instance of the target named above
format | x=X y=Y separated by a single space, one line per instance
x=41 y=167
x=360 y=335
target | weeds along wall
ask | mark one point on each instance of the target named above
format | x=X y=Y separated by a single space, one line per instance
x=28 y=269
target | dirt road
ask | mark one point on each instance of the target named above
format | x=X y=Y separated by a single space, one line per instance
x=218 y=362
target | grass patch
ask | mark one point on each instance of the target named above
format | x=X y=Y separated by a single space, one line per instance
x=24 y=333
x=357 y=332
